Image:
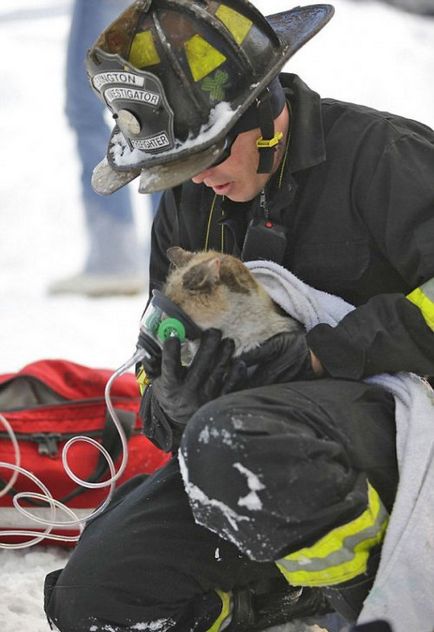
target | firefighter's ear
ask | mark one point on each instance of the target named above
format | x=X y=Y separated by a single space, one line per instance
x=178 y=256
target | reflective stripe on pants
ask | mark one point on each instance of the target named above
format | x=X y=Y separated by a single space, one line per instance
x=423 y=298
x=341 y=554
x=225 y=612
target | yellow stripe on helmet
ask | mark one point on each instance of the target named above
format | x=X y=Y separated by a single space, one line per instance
x=202 y=57
x=238 y=25
x=143 y=51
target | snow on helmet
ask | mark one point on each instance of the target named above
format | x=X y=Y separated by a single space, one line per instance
x=177 y=75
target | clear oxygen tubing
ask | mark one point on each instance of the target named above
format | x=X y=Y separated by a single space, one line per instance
x=46 y=496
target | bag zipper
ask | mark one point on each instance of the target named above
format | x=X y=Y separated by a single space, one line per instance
x=117 y=399
x=64 y=400
x=48 y=442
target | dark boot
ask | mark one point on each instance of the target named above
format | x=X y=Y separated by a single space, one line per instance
x=256 y=609
x=373 y=626
x=347 y=598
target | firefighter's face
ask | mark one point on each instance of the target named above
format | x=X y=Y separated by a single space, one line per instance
x=236 y=178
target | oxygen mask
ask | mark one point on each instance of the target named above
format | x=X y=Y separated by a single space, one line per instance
x=161 y=320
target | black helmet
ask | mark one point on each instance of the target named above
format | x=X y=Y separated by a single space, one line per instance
x=178 y=75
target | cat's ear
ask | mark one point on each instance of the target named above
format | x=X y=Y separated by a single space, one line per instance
x=178 y=256
x=236 y=276
x=213 y=269
x=203 y=276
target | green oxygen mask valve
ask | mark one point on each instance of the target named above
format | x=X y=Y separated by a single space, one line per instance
x=171 y=327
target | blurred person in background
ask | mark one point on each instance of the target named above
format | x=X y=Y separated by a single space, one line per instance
x=116 y=262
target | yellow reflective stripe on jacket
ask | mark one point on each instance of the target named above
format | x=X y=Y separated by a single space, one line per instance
x=341 y=554
x=142 y=380
x=225 y=612
x=423 y=298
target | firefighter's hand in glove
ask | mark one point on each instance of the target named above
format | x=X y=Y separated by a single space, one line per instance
x=180 y=391
x=283 y=358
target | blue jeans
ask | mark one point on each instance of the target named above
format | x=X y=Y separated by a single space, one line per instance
x=110 y=220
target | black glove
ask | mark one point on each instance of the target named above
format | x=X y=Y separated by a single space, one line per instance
x=283 y=358
x=151 y=365
x=180 y=391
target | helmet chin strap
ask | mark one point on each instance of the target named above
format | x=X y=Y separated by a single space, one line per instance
x=268 y=141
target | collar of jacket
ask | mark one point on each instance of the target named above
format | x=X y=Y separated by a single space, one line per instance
x=306 y=149
x=307 y=146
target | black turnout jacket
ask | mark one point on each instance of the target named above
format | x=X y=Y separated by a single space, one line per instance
x=357 y=200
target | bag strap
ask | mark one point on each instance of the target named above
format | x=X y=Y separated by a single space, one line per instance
x=110 y=441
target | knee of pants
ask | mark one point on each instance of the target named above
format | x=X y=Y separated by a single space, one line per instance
x=234 y=433
x=264 y=480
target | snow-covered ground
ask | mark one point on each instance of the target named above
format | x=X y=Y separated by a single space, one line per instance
x=370 y=53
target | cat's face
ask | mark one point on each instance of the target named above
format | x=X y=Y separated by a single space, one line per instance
x=208 y=285
x=215 y=291
x=218 y=291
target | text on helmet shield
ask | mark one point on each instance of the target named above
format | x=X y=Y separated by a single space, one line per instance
x=129 y=94
x=152 y=143
x=126 y=78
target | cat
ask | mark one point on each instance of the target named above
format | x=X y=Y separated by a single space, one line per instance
x=218 y=291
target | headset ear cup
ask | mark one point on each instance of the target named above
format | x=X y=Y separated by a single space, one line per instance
x=171 y=327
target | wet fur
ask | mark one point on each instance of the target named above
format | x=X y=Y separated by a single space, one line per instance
x=217 y=290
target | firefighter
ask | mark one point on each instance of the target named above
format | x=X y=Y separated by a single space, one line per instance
x=276 y=501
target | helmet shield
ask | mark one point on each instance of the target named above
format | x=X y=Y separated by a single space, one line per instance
x=138 y=104
x=178 y=74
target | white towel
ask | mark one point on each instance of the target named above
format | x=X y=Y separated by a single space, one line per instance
x=403 y=591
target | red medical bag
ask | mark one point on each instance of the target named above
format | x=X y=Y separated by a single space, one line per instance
x=48 y=402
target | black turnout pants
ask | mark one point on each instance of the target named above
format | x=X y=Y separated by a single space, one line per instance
x=265 y=472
